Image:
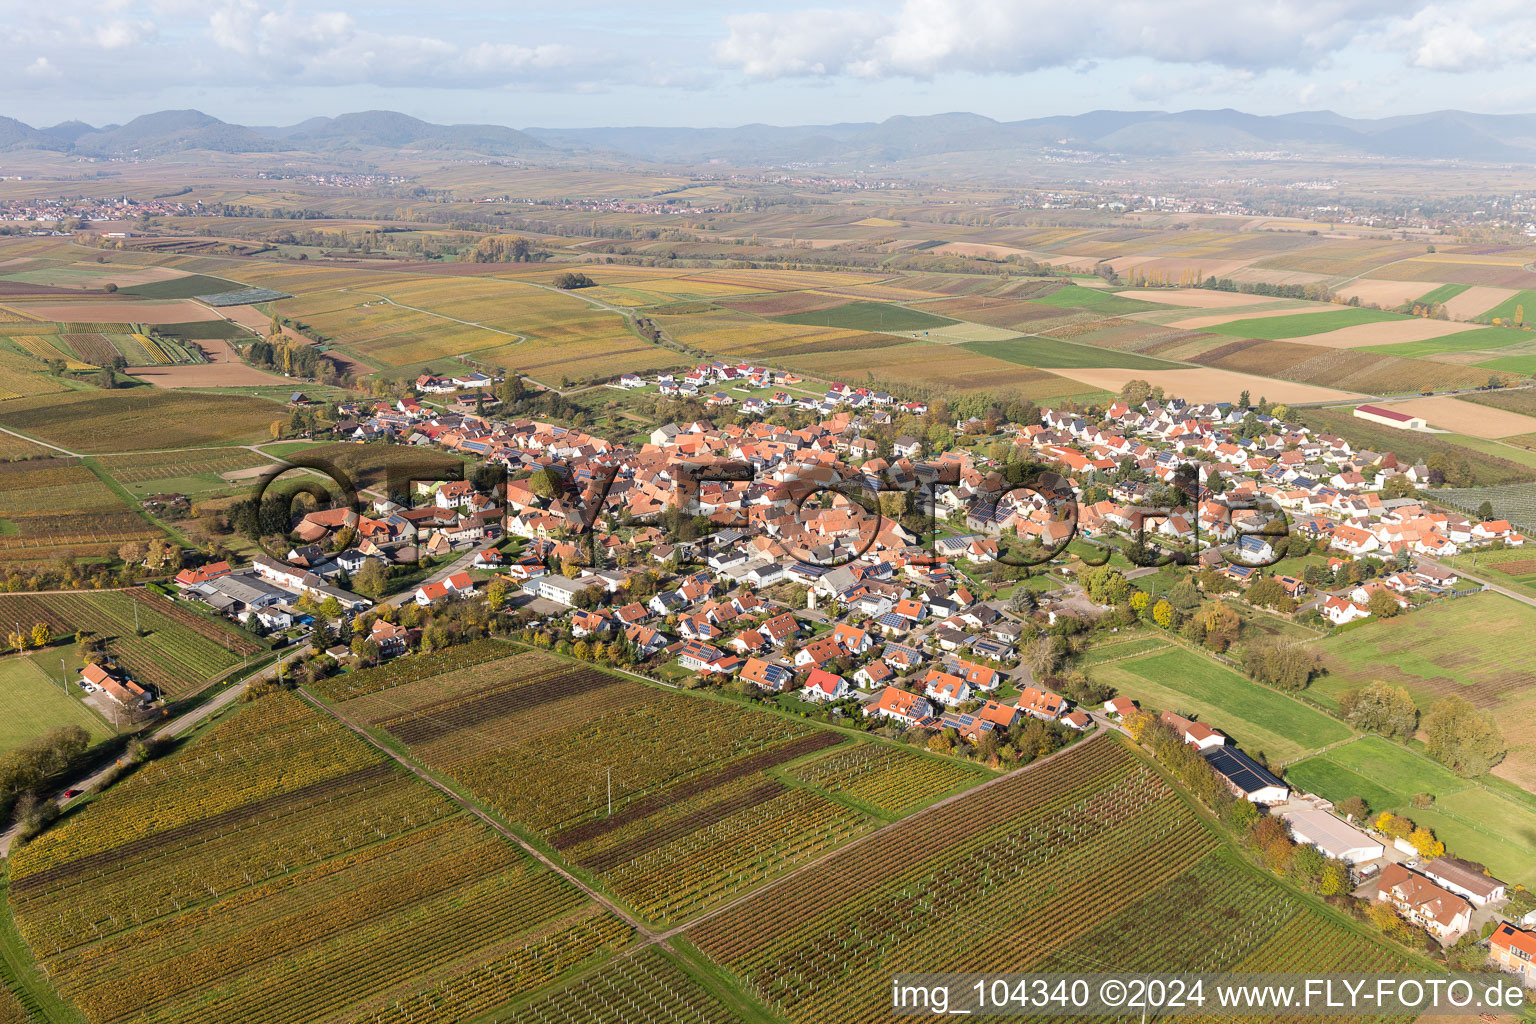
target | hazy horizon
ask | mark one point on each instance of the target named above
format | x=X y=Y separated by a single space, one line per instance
x=600 y=64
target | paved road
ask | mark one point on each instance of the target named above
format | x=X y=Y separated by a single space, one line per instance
x=172 y=729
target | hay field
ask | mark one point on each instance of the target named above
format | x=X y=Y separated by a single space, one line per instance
x=205 y=375
x=1208 y=384
x=1467 y=417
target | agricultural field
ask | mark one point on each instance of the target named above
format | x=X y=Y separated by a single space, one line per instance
x=280 y=869
x=1259 y=719
x=1448 y=413
x=23 y=375
x=1517 y=309
x=193 y=472
x=927 y=367
x=869 y=316
x=53 y=505
x=1095 y=300
x=1476 y=822
x=706 y=798
x=647 y=987
x=1475 y=648
x=183 y=287
x=1298 y=325
x=1087 y=857
x=1048 y=354
x=35 y=703
x=890 y=781
x=178 y=651
x=1521 y=400
x=1514 y=502
x=141 y=419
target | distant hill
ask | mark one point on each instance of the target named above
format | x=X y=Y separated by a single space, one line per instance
x=1149 y=134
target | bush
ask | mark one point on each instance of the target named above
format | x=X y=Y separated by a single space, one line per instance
x=568 y=280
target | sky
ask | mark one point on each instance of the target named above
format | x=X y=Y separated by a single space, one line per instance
x=583 y=63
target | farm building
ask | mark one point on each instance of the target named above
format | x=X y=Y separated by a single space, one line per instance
x=1390 y=417
x=1332 y=837
x=1464 y=880
x=1246 y=777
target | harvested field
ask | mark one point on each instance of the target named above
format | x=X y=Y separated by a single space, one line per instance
x=1387 y=294
x=1467 y=417
x=922 y=364
x=1463 y=271
x=1476 y=301
x=169 y=311
x=1387 y=332
x=1208 y=385
x=207 y=375
x=1194 y=298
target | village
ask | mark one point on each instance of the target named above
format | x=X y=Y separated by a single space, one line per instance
x=789 y=565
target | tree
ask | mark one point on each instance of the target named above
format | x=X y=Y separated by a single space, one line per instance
x=1425 y=842
x=1242 y=399
x=496 y=594
x=1485 y=511
x=372 y=580
x=1383 y=605
x=568 y=281
x=1380 y=707
x=1462 y=738
x=1139 y=601
x=42 y=636
x=1184 y=596
x=1281 y=663
x=1106 y=585
x=1221 y=627
x=1335 y=880
x=276 y=429
x=1043 y=654
x=1266 y=593
x=1162 y=614
x=545 y=483
x=1354 y=808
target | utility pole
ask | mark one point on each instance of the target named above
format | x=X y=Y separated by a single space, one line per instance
x=63 y=675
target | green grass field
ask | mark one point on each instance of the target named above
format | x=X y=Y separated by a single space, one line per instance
x=1473 y=822
x=1487 y=339
x=1444 y=293
x=1477 y=648
x=34 y=704
x=868 y=316
x=1511 y=364
x=1097 y=300
x=1519 y=306
x=1301 y=325
x=1257 y=718
x=228 y=330
x=1045 y=353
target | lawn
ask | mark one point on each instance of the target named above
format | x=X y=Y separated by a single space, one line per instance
x=867 y=316
x=1257 y=718
x=1047 y=353
x=34 y=703
x=1478 y=648
x=1473 y=822
x=1097 y=300
x=1301 y=325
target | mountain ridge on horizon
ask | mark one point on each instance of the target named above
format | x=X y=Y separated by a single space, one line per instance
x=1434 y=135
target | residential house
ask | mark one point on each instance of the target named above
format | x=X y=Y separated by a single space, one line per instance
x=1441 y=913
x=909 y=709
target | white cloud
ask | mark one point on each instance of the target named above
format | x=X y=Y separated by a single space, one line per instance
x=925 y=38
x=41 y=68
